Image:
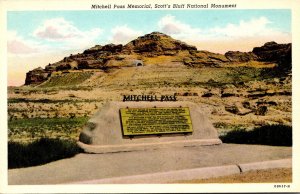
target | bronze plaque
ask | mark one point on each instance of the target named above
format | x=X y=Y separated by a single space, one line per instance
x=146 y=121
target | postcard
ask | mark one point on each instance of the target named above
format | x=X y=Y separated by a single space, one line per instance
x=168 y=96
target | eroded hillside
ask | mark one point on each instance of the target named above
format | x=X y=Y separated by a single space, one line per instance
x=236 y=90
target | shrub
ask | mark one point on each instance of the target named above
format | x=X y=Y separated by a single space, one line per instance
x=40 y=151
x=276 y=135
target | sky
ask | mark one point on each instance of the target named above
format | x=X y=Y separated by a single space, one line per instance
x=37 y=38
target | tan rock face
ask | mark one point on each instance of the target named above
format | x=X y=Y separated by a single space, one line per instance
x=157 y=43
x=160 y=49
x=237 y=56
x=36 y=76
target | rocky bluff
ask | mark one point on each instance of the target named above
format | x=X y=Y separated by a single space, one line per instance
x=155 y=45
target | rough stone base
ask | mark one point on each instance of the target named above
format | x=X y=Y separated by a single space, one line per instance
x=103 y=132
x=146 y=146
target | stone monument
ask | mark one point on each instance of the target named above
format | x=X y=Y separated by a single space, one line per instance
x=129 y=126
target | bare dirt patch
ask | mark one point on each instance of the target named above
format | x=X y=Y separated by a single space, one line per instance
x=282 y=175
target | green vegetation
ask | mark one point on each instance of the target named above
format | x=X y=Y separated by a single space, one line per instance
x=193 y=77
x=276 y=72
x=51 y=122
x=69 y=79
x=276 y=135
x=27 y=130
x=224 y=128
x=40 y=152
x=245 y=74
x=38 y=141
x=43 y=100
x=209 y=77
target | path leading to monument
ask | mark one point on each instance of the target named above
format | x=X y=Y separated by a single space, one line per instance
x=86 y=167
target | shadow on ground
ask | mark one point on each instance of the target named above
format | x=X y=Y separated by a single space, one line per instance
x=47 y=150
x=40 y=152
x=275 y=135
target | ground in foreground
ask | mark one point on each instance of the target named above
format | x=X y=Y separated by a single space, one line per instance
x=278 y=175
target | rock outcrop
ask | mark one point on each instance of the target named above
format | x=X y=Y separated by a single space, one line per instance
x=37 y=76
x=154 y=45
x=270 y=52
x=237 y=56
x=110 y=48
x=205 y=58
x=277 y=53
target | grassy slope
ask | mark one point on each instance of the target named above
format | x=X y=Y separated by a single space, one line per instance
x=69 y=79
x=28 y=130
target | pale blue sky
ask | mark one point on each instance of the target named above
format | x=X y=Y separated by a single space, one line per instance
x=26 y=22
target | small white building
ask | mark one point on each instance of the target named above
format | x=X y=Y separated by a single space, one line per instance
x=138 y=63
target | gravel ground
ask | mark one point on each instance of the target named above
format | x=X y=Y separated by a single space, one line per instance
x=282 y=175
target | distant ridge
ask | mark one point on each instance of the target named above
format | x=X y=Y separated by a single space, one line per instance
x=157 y=44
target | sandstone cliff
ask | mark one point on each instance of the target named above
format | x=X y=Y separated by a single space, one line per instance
x=155 y=45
